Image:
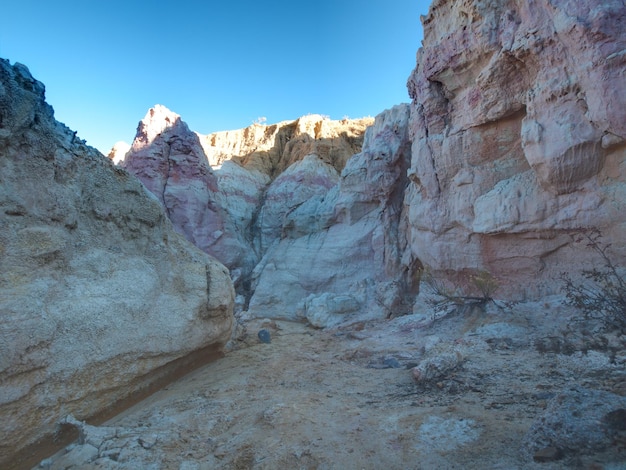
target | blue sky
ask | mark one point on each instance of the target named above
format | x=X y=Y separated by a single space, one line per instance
x=220 y=65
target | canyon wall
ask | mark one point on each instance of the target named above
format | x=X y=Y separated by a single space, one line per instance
x=517 y=142
x=229 y=192
x=340 y=251
x=308 y=228
x=100 y=297
x=518 y=127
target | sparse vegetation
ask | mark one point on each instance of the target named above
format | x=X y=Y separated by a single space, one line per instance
x=445 y=298
x=602 y=293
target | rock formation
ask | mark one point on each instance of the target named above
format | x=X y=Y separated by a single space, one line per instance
x=517 y=142
x=275 y=147
x=340 y=251
x=518 y=127
x=229 y=192
x=168 y=158
x=297 y=235
x=99 y=296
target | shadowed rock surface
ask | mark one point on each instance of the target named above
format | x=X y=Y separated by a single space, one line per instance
x=98 y=294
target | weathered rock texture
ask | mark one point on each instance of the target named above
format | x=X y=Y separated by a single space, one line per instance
x=229 y=192
x=98 y=294
x=518 y=139
x=518 y=126
x=275 y=147
x=340 y=250
x=168 y=158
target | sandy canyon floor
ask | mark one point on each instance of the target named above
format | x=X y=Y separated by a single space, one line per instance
x=347 y=398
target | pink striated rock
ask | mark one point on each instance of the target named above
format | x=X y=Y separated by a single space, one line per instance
x=168 y=158
x=518 y=125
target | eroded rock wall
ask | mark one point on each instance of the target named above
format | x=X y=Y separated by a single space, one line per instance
x=229 y=192
x=98 y=294
x=518 y=124
x=273 y=148
x=168 y=158
x=340 y=252
x=318 y=226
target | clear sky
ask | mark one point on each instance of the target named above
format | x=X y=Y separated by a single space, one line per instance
x=220 y=65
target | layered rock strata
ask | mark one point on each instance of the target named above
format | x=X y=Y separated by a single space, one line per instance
x=518 y=124
x=340 y=252
x=99 y=295
x=273 y=148
x=229 y=192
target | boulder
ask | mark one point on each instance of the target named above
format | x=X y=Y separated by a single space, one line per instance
x=100 y=297
x=578 y=421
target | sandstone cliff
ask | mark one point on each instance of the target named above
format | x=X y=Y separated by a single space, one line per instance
x=99 y=296
x=518 y=124
x=517 y=141
x=229 y=192
x=273 y=148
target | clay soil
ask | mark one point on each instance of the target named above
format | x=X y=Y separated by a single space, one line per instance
x=346 y=398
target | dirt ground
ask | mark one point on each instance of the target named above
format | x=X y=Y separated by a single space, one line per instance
x=347 y=398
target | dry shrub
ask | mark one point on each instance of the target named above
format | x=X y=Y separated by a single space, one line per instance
x=601 y=294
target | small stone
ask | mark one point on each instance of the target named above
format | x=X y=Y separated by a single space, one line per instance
x=264 y=336
x=147 y=442
x=548 y=454
x=391 y=363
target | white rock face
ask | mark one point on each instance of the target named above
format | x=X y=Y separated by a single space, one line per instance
x=303 y=180
x=98 y=294
x=346 y=241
